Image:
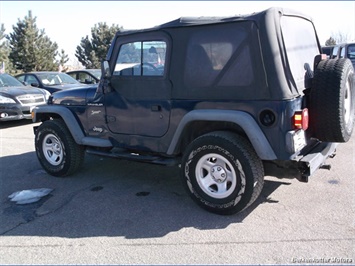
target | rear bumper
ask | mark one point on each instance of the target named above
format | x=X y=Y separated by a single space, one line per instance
x=304 y=166
x=316 y=158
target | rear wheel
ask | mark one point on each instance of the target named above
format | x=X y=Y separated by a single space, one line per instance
x=56 y=149
x=222 y=173
x=332 y=100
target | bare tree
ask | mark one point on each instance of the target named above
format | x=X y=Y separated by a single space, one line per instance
x=340 y=37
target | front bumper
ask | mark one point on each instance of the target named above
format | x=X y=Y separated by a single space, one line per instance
x=15 y=112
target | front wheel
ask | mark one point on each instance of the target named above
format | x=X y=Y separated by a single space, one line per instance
x=222 y=172
x=56 y=149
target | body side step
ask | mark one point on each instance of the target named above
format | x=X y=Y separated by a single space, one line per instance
x=125 y=155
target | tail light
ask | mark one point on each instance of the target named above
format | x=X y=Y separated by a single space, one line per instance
x=300 y=119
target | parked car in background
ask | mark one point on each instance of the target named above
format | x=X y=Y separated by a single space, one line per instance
x=327 y=50
x=86 y=76
x=344 y=50
x=18 y=100
x=50 y=80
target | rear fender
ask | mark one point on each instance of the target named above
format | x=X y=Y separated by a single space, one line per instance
x=242 y=119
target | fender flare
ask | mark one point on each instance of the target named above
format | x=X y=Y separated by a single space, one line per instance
x=242 y=119
x=72 y=124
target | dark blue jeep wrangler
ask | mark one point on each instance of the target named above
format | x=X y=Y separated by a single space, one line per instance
x=229 y=100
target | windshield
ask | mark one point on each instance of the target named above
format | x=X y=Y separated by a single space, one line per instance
x=52 y=79
x=9 y=81
x=96 y=73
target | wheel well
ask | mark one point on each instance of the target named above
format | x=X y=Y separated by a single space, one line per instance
x=41 y=117
x=47 y=116
x=196 y=129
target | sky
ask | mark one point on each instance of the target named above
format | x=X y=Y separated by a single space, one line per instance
x=67 y=22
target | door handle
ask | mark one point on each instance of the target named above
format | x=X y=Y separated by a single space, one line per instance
x=156 y=108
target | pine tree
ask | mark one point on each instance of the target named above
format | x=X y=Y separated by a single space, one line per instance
x=31 y=49
x=3 y=51
x=90 y=53
x=330 y=42
x=63 y=59
x=5 y=64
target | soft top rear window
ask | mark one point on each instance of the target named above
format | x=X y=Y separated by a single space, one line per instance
x=301 y=46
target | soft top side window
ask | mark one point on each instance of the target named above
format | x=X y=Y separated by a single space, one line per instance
x=219 y=56
x=142 y=58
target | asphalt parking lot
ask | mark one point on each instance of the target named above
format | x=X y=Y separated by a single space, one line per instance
x=120 y=212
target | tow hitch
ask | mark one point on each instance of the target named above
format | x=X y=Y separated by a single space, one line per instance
x=326 y=166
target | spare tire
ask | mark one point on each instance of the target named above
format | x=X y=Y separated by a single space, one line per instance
x=332 y=99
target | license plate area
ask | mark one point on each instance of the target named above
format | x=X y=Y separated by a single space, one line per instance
x=295 y=140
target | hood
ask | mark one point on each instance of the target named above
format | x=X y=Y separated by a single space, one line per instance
x=17 y=91
x=73 y=96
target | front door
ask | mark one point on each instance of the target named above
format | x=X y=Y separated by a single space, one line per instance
x=139 y=102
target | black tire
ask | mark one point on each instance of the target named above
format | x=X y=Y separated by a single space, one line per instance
x=56 y=149
x=222 y=172
x=332 y=101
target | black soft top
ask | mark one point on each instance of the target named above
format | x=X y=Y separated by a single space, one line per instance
x=282 y=43
x=195 y=21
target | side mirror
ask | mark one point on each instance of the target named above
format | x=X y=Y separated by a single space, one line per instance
x=88 y=81
x=35 y=85
x=105 y=69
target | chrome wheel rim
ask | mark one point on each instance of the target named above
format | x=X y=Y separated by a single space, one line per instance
x=347 y=103
x=216 y=176
x=52 y=149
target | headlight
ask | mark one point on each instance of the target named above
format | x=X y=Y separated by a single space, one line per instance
x=46 y=94
x=4 y=99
